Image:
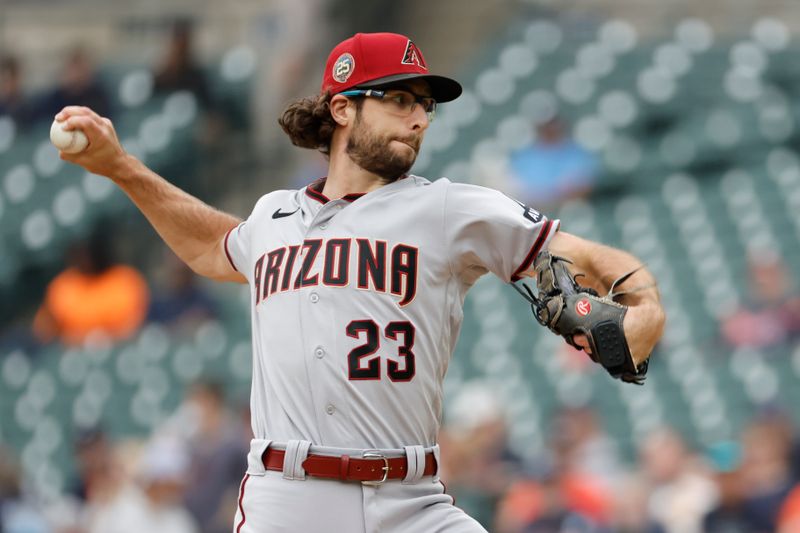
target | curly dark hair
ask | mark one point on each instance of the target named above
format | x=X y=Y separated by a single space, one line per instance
x=309 y=124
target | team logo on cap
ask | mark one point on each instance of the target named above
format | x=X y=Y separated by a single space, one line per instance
x=413 y=56
x=343 y=67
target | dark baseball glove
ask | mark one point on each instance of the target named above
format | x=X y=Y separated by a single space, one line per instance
x=569 y=309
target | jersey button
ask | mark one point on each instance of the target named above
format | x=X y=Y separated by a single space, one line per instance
x=330 y=409
x=314 y=297
x=323 y=225
x=319 y=352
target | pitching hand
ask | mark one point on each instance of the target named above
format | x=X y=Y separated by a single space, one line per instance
x=104 y=155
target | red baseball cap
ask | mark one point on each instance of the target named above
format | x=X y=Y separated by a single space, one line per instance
x=371 y=60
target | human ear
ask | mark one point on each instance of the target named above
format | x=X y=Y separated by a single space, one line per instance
x=340 y=110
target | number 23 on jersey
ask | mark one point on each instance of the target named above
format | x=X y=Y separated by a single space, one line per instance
x=363 y=361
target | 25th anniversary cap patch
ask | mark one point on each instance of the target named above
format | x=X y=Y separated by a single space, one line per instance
x=343 y=68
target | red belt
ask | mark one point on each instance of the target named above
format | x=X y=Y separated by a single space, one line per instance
x=373 y=467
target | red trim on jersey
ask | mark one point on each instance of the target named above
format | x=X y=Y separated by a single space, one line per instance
x=353 y=196
x=227 y=253
x=445 y=492
x=526 y=264
x=241 y=497
x=315 y=191
x=318 y=196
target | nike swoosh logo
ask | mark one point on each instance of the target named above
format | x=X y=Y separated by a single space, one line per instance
x=279 y=214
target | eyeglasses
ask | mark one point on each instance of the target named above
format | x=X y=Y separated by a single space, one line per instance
x=399 y=101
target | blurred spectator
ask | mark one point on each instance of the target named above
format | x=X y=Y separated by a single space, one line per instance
x=556 y=503
x=100 y=480
x=179 y=71
x=789 y=516
x=197 y=164
x=16 y=333
x=771 y=314
x=153 y=502
x=477 y=460
x=217 y=451
x=783 y=422
x=522 y=504
x=17 y=515
x=728 y=515
x=682 y=492
x=630 y=512
x=585 y=449
x=553 y=169
x=179 y=301
x=766 y=473
x=79 y=85
x=93 y=295
x=9 y=477
x=574 y=492
x=12 y=98
x=98 y=474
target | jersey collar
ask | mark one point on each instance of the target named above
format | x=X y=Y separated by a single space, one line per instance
x=315 y=191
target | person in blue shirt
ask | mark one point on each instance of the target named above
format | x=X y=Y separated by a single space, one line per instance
x=554 y=168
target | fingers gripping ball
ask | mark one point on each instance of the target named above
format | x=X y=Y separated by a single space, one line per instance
x=70 y=142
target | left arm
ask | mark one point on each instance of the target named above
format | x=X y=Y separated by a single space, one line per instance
x=644 y=321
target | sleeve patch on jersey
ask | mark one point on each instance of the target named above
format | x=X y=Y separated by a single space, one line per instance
x=537 y=246
x=528 y=212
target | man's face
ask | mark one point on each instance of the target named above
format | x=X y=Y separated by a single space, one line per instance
x=385 y=142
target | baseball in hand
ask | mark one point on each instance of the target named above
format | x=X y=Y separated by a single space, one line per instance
x=70 y=142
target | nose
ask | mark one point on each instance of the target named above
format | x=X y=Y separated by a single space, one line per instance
x=419 y=119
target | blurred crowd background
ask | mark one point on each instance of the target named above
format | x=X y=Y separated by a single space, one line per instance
x=668 y=129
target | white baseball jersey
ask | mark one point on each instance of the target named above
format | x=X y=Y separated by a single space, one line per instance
x=357 y=303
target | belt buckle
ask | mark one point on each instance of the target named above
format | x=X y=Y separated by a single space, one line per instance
x=375 y=454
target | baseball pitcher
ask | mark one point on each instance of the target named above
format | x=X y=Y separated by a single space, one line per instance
x=357 y=283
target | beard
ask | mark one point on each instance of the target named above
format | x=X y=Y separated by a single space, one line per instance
x=371 y=151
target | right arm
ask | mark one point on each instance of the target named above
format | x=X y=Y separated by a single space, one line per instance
x=194 y=230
